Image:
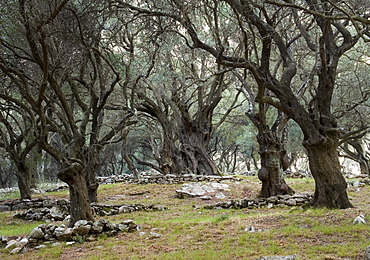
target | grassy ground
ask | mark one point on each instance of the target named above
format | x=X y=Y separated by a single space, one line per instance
x=190 y=232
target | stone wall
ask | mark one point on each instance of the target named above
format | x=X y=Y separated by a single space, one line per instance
x=279 y=200
x=82 y=230
x=165 y=179
x=49 y=210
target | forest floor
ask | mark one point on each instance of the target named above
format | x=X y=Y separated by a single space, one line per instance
x=188 y=231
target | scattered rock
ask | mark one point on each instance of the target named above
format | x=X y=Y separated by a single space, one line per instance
x=250 y=229
x=360 y=219
x=153 y=235
x=39 y=247
x=204 y=191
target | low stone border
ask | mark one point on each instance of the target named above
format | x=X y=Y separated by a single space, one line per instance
x=166 y=179
x=279 y=200
x=59 y=210
x=19 y=204
x=82 y=230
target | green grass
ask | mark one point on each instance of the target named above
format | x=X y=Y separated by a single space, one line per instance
x=15 y=227
x=196 y=233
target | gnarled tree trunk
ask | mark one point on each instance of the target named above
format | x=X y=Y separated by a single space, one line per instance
x=193 y=156
x=74 y=176
x=271 y=172
x=331 y=187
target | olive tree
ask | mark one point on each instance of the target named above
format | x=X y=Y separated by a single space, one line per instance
x=327 y=29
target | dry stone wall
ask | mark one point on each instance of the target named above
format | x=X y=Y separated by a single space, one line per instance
x=48 y=210
x=82 y=230
x=166 y=179
x=279 y=200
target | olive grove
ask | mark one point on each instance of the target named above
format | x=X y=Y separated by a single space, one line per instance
x=112 y=86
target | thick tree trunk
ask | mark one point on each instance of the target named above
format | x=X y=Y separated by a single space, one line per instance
x=24 y=183
x=197 y=161
x=271 y=172
x=74 y=176
x=330 y=185
x=193 y=156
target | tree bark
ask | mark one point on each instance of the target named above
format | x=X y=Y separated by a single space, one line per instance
x=330 y=185
x=74 y=176
x=91 y=169
x=24 y=183
x=193 y=156
x=271 y=172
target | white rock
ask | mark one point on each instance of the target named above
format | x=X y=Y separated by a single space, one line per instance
x=16 y=250
x=23 y=242
x=360 y=219
x=37 y=233
x=154 y=235
x=39 y=247
x=11 y=244
x=250 y=229
x=81 y=227
x=63 y=233
x=220 y=196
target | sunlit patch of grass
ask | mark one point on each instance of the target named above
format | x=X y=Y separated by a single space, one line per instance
x=15 y=227
x=301 y=185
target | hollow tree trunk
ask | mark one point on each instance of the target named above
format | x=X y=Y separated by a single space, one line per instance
x=271 y=172
x=330 y=185
x=74 y=176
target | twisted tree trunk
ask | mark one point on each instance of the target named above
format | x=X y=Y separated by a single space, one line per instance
x=74 y=176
